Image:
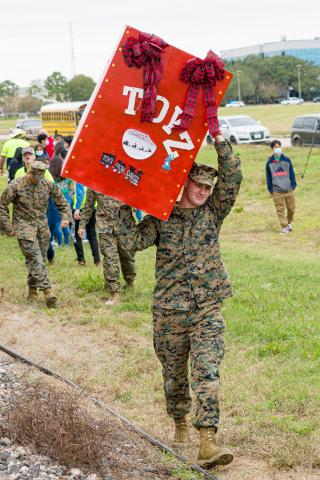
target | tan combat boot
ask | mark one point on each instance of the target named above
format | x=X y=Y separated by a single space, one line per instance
x=210 y=454
x=181 y=433
x=33 y=293
x=51 y=300
x=112 y=299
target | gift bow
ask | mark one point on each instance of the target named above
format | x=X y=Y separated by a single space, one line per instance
x=146 y=51
x=202 y=73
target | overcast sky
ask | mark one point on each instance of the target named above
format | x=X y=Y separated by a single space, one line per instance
x=35 y=38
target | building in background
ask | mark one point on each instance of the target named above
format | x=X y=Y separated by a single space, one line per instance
x=308 y=50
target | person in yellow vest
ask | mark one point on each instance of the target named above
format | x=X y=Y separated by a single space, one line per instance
x=28 y=156
x=78 y=204
x=9 y=148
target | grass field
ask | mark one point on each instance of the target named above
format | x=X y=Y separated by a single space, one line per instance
x=270 y=390
x=278 y=118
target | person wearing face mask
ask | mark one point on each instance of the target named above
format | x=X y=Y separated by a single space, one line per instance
x=46 y=142
x=39 y=150
x=281 y=183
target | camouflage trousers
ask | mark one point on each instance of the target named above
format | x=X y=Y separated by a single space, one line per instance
x=35 y=254
x=198 y=335
x=113 y=253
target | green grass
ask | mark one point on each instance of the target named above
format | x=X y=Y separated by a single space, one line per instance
x=270 y=377
x=6 y=124
x=278 y=118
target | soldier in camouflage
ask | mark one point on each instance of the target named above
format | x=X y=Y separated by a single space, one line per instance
x=191 y=285
x=110 y=216
x=30 y=196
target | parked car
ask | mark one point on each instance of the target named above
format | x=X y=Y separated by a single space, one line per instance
x=292 y=101
x=31 y=127
x=235 y=103
x=243 y=129
x=306 y=130
x=316 y=99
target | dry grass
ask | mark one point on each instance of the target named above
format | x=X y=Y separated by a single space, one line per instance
x=59 y=423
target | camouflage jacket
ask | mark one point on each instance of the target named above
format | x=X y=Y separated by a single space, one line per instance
x=110 y=213
x=189 y=267
x=30 y=203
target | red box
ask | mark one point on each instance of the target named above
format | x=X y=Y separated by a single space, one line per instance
x=114 y=153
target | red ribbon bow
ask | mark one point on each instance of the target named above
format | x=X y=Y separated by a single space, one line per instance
x=202 y=73
x=146 y=51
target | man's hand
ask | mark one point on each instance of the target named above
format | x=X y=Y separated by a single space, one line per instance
x=77 y=214
x=81 y=232
x=1 y=172
x=64 y=224
x=219 y=138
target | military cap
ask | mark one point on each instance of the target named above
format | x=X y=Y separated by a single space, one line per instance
x=39 y=165
x=203 y=174
x=27 y=150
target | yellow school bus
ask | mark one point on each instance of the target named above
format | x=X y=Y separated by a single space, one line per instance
x=62 y=118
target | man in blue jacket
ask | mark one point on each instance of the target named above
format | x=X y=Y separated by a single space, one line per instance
x=281 y=182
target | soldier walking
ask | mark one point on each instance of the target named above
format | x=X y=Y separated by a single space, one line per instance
x=111 y=215
x=191 y=286
x=30 y=196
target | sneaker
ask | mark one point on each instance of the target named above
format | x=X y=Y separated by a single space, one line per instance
x=82 y=263
x=290 y=227
x=285 y=230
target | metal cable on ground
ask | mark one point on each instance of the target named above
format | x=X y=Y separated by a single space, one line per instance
x=99 y=403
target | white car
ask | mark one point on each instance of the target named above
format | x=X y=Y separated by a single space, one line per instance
x=292 y=101
x=235 y=104
x=243 y=129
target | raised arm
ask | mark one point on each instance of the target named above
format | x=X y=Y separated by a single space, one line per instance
x=227 y=186
x=140 y=236
x=5 y=199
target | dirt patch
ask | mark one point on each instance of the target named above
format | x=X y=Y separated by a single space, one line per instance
x=79 y=352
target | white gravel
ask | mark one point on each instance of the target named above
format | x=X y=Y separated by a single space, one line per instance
x=19 y=463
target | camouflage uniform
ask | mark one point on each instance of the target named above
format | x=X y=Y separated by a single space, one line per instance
x=29 y=222
x=191 y=286
x=110 y=215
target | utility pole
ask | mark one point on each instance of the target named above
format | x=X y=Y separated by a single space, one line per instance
x=239 y=89
x=73 y=57
x=299 y=81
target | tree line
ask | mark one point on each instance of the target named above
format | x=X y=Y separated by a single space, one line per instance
x=261 y=80
x=57 y=87
x=268 y=79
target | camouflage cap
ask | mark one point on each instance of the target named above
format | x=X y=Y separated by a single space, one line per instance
x=27 y=150
x=36 y=165
x=203 y=174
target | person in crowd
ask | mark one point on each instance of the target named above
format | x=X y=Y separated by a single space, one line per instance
x=30 y=196
x=28 y=156
x=16 y=163
x=78 y=204
x=191 y=285
x=65 y=185
x=17 y=139
x=110 y=215
x=281 y=183
x=40 y=151
x=47 y=142
x=68 y=140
